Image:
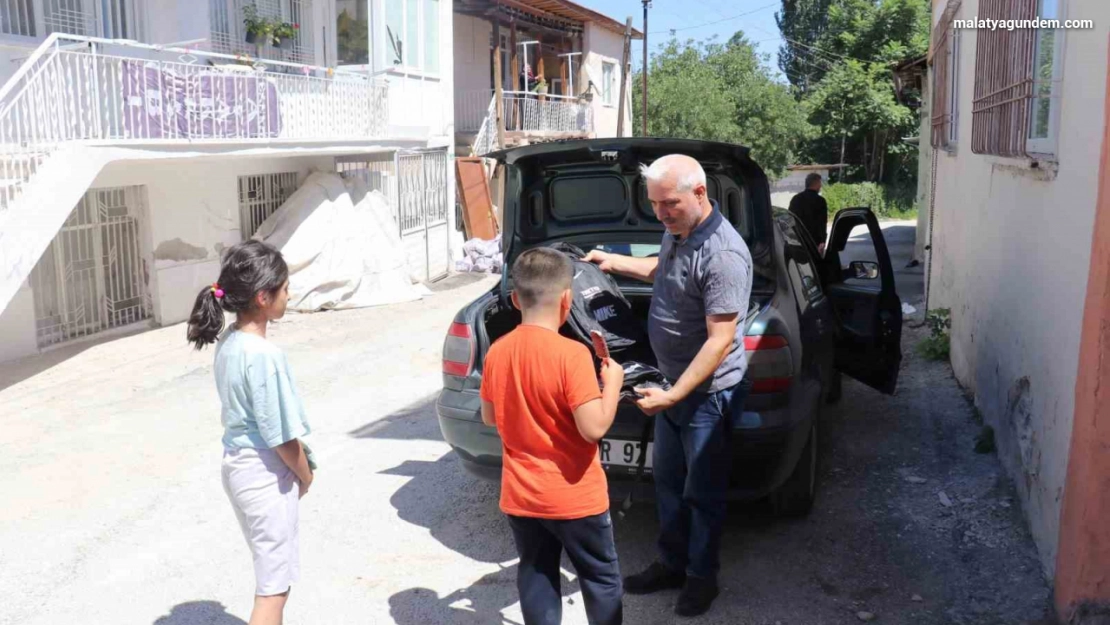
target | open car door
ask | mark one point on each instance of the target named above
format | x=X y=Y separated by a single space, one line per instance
x=865 y=301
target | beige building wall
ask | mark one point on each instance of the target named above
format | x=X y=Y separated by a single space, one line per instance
x=605 y=46
x=1011 y=249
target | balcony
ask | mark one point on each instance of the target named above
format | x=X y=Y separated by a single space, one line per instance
x=80 y=90
x=529 y=118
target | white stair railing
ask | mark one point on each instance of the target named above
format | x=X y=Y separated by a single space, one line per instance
x=487 y=134
x=83 y=89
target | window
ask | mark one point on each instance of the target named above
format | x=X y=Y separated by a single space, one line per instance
x=946 y=81
x=1016 y=81
x=260 y=196
x=799 y=263
x=607 y=71
x=228 y=32
x=17 y=17
x=352 y=32
x=1046 y=80
x=412 y=34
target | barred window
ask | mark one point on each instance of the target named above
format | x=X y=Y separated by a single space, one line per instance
x=1016 y=81
x=945 y=62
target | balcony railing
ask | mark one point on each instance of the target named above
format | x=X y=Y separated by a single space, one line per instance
x=533 y=114
x=80 y=89
x=470 y=109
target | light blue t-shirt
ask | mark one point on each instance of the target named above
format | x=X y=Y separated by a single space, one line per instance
x=261 y=408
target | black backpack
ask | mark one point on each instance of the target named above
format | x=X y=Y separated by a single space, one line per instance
x=600 y=305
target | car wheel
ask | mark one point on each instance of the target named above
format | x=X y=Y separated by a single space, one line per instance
x=795 y=497
x=833 y=395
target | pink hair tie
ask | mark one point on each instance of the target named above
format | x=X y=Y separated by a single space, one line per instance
x=217 y=291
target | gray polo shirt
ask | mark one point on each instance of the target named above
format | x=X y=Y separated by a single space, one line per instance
x=707 y=273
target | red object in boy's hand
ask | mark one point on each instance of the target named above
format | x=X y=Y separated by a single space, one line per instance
x=601 y=349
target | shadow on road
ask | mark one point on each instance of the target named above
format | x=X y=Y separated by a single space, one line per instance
x=480 y=603
x=416 y=421
x=196 y=612
x=16 y=371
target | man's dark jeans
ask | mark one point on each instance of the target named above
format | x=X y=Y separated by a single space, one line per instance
x=691 y=461
x=590 y=547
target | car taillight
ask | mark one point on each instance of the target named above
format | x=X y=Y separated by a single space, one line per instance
x=762 y=342
x=771 y=385
x=769 y=363
x=458 y=350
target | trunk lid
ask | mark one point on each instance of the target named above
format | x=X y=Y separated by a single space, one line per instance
x=591 y=193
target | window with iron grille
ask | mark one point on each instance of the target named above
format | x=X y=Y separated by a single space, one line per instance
x=1016 y=78
x=228 y=35
x=17 y=17
x=260 y=196
x=946 y=80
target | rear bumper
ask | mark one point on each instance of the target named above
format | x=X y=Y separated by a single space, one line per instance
x=764 y=455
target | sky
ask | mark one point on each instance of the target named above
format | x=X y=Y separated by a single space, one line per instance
x=698 y=19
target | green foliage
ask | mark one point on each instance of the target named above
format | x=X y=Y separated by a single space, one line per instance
x=936 y=347
x=838 y=55
x=886 y=201
x=804 y=22
x=722 y=92
x=256 y=24
x=883 y=31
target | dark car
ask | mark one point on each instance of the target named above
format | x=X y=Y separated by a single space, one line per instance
x=809 y=319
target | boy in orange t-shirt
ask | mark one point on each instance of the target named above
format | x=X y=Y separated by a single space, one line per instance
x=540 y=390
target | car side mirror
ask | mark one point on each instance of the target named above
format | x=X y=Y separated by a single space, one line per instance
x=862 y=270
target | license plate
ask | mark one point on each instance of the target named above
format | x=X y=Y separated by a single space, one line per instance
x=623 y=455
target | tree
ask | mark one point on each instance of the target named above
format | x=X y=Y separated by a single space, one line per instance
x=723 y=92
x=838 y=54
x=802 y=23
x=855 y=102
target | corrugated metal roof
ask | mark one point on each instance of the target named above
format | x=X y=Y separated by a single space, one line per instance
x=571 y=10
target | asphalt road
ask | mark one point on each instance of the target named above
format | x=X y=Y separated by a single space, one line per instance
x=113 y=510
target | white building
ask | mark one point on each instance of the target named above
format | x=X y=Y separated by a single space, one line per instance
x=136 y=143
x=1018 y=133
x=577 y=52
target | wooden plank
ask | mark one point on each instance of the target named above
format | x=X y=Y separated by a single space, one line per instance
x=477 y=205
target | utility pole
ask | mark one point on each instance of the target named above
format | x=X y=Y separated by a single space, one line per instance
x=626 y=67
x=644 y=110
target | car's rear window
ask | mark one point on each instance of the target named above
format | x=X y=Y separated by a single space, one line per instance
x=589 y=197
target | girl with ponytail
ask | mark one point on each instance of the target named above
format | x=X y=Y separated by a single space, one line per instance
x=266 y=468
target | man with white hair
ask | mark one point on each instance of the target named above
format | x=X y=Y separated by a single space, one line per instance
x=701 y=283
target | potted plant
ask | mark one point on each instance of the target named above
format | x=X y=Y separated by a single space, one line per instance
x=284 y=34
x=258 y=27
x=541 y=86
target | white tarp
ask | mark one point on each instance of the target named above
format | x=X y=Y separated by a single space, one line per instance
x=342 y=247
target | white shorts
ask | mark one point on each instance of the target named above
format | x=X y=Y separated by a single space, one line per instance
x=265 y=497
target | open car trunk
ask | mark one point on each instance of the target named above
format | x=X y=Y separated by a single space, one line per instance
x=501 y=319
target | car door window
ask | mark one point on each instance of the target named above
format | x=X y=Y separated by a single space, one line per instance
x=860 y=248
x=799 y=262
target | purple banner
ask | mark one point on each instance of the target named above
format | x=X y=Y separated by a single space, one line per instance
x=168 y=103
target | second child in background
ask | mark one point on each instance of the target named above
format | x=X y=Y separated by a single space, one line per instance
x=541 y=391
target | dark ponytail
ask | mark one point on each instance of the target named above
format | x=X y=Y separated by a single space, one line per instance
x=248 y=268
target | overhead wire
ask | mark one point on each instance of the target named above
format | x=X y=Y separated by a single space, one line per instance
x=714 y=22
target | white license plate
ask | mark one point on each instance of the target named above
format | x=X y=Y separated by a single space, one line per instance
x=620 y=453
